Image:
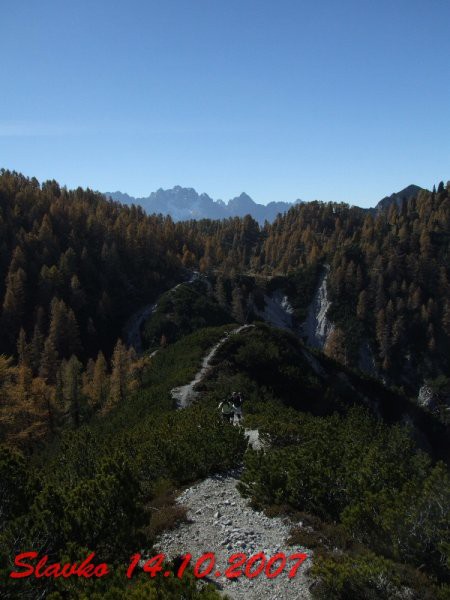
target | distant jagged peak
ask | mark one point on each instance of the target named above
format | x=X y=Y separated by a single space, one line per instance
x=243 y=200
x=121 y=197
x=185 y=203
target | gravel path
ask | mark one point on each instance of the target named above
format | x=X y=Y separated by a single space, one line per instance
x=221 y=522
x=184 y=394
x=253 y=439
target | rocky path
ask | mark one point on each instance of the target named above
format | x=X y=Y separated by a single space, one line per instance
x=184 y=394
x=220 y=521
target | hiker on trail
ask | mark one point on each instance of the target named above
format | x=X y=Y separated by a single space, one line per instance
x=237 y=401
x=226 y=406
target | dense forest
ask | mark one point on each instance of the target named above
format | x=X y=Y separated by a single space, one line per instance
x=389 y=273
x=92 y=445
x=73 y=266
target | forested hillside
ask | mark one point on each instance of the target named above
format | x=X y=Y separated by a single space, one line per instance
x=388 y=281
x=93 y=450
x=75 y=258
x=73 y=267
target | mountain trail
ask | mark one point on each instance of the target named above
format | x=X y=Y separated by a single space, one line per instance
x=184 y=394
x=221 y=521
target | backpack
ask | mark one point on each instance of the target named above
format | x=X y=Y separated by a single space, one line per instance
x=227 y=408
x=238 y=401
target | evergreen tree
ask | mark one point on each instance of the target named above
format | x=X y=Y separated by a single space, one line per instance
x=49 y=362
x=220 y=292
x=7 y=371
x=36 y=348
x=100 y=382
x=335 y=346
x=23 y=350
x=27 y=414
x=361 y=309
x=64 y=331
x=14 y=304
x=72 y=389
x=119 y=375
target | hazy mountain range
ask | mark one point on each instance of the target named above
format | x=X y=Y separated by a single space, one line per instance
x=185 y=203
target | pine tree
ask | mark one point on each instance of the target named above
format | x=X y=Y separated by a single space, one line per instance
x=100 y=382
x=58 y=317
x=73 y=334
x=23 y=350
x=382 y=335
x=14 y=304
x=335 y=346
x=49 y=362
x=36 y=348
x=63 y=330
x=220 y=292
x=77 y=295
x=398 y=331
x=72 y=389
x=380 y=297
x=431 y=340
x=28 y=415
x=119 y=376
x=44 y=399
x=361 y=308
x=7 y=371
x=204 y=264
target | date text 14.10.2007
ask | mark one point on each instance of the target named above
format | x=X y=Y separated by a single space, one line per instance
x=239 y=565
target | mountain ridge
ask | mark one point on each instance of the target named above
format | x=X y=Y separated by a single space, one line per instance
x=185 y=203
x=398 y=198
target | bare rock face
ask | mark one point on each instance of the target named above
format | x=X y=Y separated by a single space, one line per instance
x=426 y=397
x=277 y=311
x=317 y=326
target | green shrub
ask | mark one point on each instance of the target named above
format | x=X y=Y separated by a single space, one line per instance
x=367 y=576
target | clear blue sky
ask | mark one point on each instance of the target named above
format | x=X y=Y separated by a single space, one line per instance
x=344 y=100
